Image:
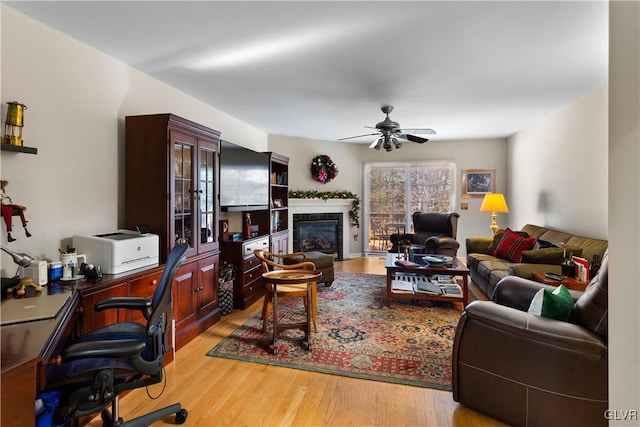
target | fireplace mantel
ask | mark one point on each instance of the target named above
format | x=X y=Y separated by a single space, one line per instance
x=307 y=206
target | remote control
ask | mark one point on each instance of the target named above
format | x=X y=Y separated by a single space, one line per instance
x=554 y=276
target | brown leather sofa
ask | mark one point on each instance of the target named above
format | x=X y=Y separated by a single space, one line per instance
x=528 y=370
x=435 y=231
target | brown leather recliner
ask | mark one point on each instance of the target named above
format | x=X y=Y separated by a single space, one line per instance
x=528 y=370
x=435 y=231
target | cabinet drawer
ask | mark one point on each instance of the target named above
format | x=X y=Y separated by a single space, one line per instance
x=253 y=288
x=145 y=286
x=249 y=247
x=251 y=275
x=249 y=263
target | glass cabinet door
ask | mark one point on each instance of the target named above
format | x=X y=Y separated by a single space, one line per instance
x=183 y=194
x=206 y=194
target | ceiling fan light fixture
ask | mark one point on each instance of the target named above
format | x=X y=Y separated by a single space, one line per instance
x=387 y=143
x=390 y=131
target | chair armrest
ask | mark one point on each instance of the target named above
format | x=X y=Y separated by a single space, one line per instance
x=292 y=255
x=106 y=349
x=517 y=292
x=478 y=245
x=535 y=328
x=129 y=303
x=308 y=265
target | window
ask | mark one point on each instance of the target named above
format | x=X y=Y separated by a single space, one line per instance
x=393 y=191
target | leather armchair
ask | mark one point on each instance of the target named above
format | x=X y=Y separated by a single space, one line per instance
x=435 y=231
x=528 y=370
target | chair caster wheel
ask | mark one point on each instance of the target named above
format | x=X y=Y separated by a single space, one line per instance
x=181 y=416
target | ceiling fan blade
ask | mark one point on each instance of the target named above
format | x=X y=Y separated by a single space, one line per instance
x=413 y=138
x=358 y=136
x=424 y=131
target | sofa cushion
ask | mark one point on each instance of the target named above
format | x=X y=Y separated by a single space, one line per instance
x=488 y=263
x=498 y=237
x=512 y=245
x=549 y=255
x=553 y=305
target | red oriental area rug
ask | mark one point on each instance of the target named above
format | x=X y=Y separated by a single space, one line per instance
x=358 y=335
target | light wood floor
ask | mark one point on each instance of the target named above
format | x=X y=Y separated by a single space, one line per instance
x=221 y=392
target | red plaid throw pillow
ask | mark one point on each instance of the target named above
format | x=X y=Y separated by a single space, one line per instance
x=512 y=245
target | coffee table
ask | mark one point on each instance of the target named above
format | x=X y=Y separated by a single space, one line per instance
x=457 y=269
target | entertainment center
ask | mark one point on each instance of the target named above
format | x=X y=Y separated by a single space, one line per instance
x=269 y=221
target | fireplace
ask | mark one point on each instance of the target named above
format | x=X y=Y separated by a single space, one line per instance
x=321 y=232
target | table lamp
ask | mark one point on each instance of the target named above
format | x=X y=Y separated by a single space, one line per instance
x=494 y=203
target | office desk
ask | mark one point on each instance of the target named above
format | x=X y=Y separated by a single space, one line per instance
x=27 y=348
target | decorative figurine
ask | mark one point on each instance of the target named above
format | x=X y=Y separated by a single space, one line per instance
x=9 y=210
x=247 y=226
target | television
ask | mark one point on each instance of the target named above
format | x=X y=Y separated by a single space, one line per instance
x=244 y=178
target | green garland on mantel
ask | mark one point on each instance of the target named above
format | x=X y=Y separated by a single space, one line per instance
x=354 y=213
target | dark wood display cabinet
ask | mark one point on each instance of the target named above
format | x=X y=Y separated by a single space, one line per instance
x=171 y=187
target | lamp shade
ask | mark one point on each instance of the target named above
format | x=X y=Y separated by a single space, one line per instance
x=494 y=202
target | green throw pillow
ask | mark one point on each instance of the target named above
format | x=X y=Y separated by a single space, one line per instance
x=553 y=305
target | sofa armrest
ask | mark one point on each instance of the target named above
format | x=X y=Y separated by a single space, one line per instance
x=478 y=245
x=526 y=270
x=535 y=328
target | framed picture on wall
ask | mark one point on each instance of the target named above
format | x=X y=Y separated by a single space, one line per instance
x=478 y=182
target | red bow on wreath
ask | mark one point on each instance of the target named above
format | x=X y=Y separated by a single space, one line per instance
x=323 y=169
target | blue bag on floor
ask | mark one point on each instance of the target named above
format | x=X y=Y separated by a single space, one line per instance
x=48 y=408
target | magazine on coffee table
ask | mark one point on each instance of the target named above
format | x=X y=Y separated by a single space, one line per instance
x=437 y=284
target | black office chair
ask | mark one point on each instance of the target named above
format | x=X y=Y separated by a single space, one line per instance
x=98 y=366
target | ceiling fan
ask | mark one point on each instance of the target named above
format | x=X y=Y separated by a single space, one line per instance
x=390 y=133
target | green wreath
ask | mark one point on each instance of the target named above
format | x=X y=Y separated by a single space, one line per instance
x=323 y=169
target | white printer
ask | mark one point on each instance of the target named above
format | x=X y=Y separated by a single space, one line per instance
x=120 y=251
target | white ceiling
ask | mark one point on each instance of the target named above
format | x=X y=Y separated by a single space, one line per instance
x=322 y=70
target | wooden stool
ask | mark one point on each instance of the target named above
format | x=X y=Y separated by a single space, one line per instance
x=289 y=278
x=268 y=264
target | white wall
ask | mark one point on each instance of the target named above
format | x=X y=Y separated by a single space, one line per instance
x=558 y=170
x=350 y=158
x=624 y=210
x=77 y=99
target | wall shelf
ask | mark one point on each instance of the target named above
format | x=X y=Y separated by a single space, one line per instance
x=18 y=149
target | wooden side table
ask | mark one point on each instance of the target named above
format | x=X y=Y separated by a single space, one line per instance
x=292 y=277
x=568 y=282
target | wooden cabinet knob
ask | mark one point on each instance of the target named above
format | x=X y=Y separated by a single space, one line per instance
x=55 y=361
x=154 y=282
